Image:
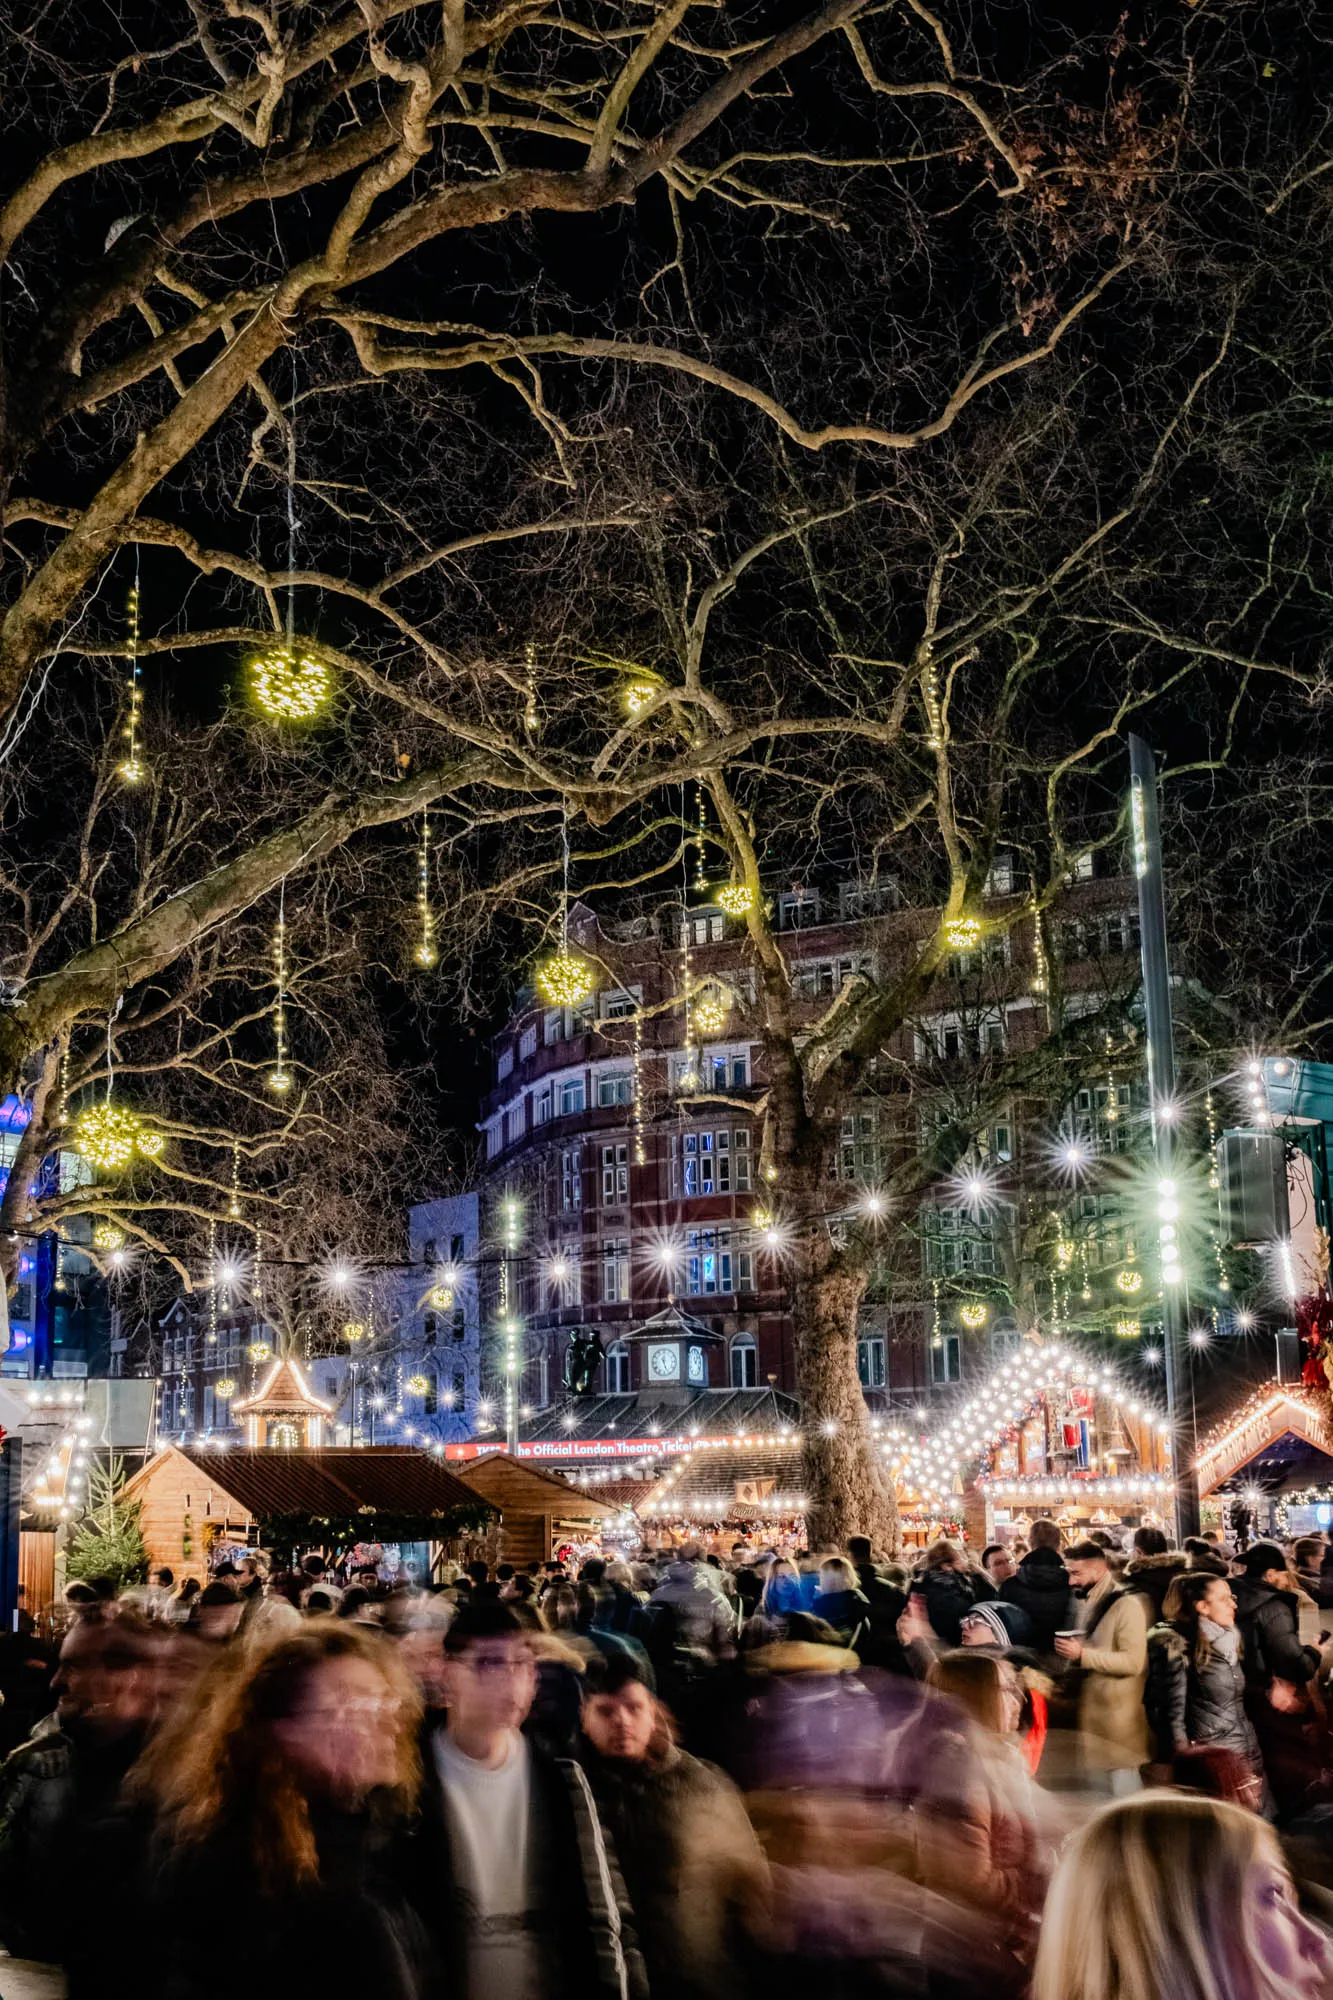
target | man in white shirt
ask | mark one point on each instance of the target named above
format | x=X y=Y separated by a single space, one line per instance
x=519 y=1883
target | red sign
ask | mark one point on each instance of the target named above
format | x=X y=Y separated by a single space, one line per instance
x=575 y=1448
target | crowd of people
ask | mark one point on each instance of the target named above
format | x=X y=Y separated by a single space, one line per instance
x=1082 y=1772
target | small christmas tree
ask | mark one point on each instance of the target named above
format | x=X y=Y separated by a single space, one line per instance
x=108 y=1541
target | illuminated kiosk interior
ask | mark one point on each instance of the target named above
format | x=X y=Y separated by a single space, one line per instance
x=282 y=1412
x=1275 y=1451
x=1052 y=1433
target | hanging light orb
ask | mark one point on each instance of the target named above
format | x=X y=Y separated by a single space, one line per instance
x=973 y=1315
x=107 y=1237
x=259 y=1350
x=638 y=694
x=225 y=1389
x=133 y=770
x=710 y=1008
x=1129 y=1281
x=962 y=933
x=354 y=1330
x=564 y=979
x=418 y=1384
x=150 y=1144
x=441 y=1297
x=105 y=1136
x=291 y=687
x=736 y=898
x=279 y=1080
x=426 y=954
x=1128 y=1329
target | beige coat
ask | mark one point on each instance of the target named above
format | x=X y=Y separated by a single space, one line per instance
x=1111 y=1718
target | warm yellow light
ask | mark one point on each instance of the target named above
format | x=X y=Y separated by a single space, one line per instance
x=107 y=1237
x=564 y=979
x=442 y=1296
x=736 y=898
x=105 y=1136
x=354 y=1330
x=132 y=771
x=973 y=1315
x=279 y=1080
x=638 y=694
x=1129 y=1281
x=150 y=1144
x=225 y=1389
x=259 y=1350
x=291 y=687
x=962 y=933
x=1128 y=1329
x=710 y=1008
x=418 y=1384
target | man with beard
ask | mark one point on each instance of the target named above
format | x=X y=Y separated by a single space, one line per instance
x=69 y=1864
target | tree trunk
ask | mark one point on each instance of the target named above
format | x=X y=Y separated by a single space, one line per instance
x=848 y=1490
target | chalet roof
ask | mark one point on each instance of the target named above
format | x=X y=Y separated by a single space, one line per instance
x=285 y=1392
x=324 y=1484
x=730 y=1483
x=506 y=1480
x=674 y=1323
x=1280 y=1434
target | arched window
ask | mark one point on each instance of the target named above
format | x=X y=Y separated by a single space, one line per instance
x=617 y=1370
x=744 y=1362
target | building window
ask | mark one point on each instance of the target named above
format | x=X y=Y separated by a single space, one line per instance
x=541 y=1105
x=706 y=928
x=553 y=1027
x=495 y=1138
x=615 y=1089
x=712 y=1266
x=1005 y=1341
x=459 y=1391
x=819 y=978
x=615 y=1175
x=617 y=1370
x=428 y=1251
x=527 y=1043
x=514 y=1124
x=571 y=1179
x=618 y=1006
x=870 y=1362
x=958 y=1242
x=1000 y=879
x=615 y=1271
x=459 y=1329
x=798 y=909
x=505 y=1065
x=946 y=1360
x=430 y=1329
x=572 y=1098
x=744 y=1362
x=872 y=898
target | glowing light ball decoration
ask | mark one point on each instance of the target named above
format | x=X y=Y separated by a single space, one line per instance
x=710 y=1007
x=1129 y=1281
x=962 y=933
x=736 y=898
x=225 y=1389
x=973 y=1315
x=564 y=979
x=150 y=1144
x=1127 y=1329
x=260 y=1350
x=107 y=1237
x=442 y=1297
x=105 y=1136
x=354 y=1331
x=638 y=694
x=418 y=1384
x=289 y=686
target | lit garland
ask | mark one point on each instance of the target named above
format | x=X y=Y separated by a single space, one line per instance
x=973 y=1316
x=531 y=719
x=279 y=1077
x=1041 y=972
x=962 y=933
x=1112 y=1108
x=426 y=952
x=936 y=1331
x=736 y=898
x=234 y=1207
x=133 y=769
x=700 y=877
x=1128 y=1329
x=930 y=695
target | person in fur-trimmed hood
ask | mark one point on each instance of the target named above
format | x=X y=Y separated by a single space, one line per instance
x=1152 y=1568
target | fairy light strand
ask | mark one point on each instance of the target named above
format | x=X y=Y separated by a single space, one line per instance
x=132 y=770
x=279 y=1078
x=426 y=951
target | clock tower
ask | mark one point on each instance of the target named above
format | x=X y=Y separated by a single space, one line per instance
x=674 y=1349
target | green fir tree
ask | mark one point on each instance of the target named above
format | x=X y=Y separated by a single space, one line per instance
x=108 y=1541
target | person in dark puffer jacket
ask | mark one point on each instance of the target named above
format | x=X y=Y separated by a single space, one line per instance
x=950 y=1587
x=1042 y=1589
x=1195 y=1694
x=1152 y=1570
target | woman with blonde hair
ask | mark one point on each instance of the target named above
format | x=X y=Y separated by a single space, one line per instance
x=290 y=1778
x=1169 y=1893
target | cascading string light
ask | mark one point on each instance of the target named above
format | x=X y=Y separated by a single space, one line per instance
x=565 y=979
x=640 y=1150
x=1040 y=967
x=426 y=952
x=133 y=769
x=700 y=873
x=279 y=1077
x=234 y=1206
x=531 y=719
x=287 y=683
x=689 y=1076
x=1112 y=1108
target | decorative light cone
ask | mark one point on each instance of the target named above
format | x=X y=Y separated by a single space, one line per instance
x=289 y=686
x=564 y=979
x=106 y=1135
x=736 y=898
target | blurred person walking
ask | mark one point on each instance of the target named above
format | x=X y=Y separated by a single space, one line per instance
x=515 y=1877
x=1040 y=1587
x=1110 y=1648
x=1170 y=1894
x=288 y=1782
x=949 y=1586
x=694 y=1872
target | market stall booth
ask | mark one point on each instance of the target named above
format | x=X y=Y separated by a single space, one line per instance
x=538 y=1514
x=1267 y=1467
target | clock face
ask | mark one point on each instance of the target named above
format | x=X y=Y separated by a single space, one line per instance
x=696 y=1365
x=664 y=1363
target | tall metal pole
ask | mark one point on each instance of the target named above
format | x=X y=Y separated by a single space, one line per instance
x=509 y=1318
x=1147 y=839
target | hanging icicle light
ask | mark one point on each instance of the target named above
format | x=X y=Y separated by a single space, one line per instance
x=288 y=686
x=133 y=769
x=279 y=1077
x=426 y=952
x=736 y=898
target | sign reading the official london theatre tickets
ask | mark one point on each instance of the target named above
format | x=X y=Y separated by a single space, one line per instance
x=563 y=1449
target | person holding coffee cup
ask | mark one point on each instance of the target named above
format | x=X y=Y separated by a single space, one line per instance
x=1111 y=1648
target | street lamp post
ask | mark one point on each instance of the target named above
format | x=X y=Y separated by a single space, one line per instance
x=1147 y=844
